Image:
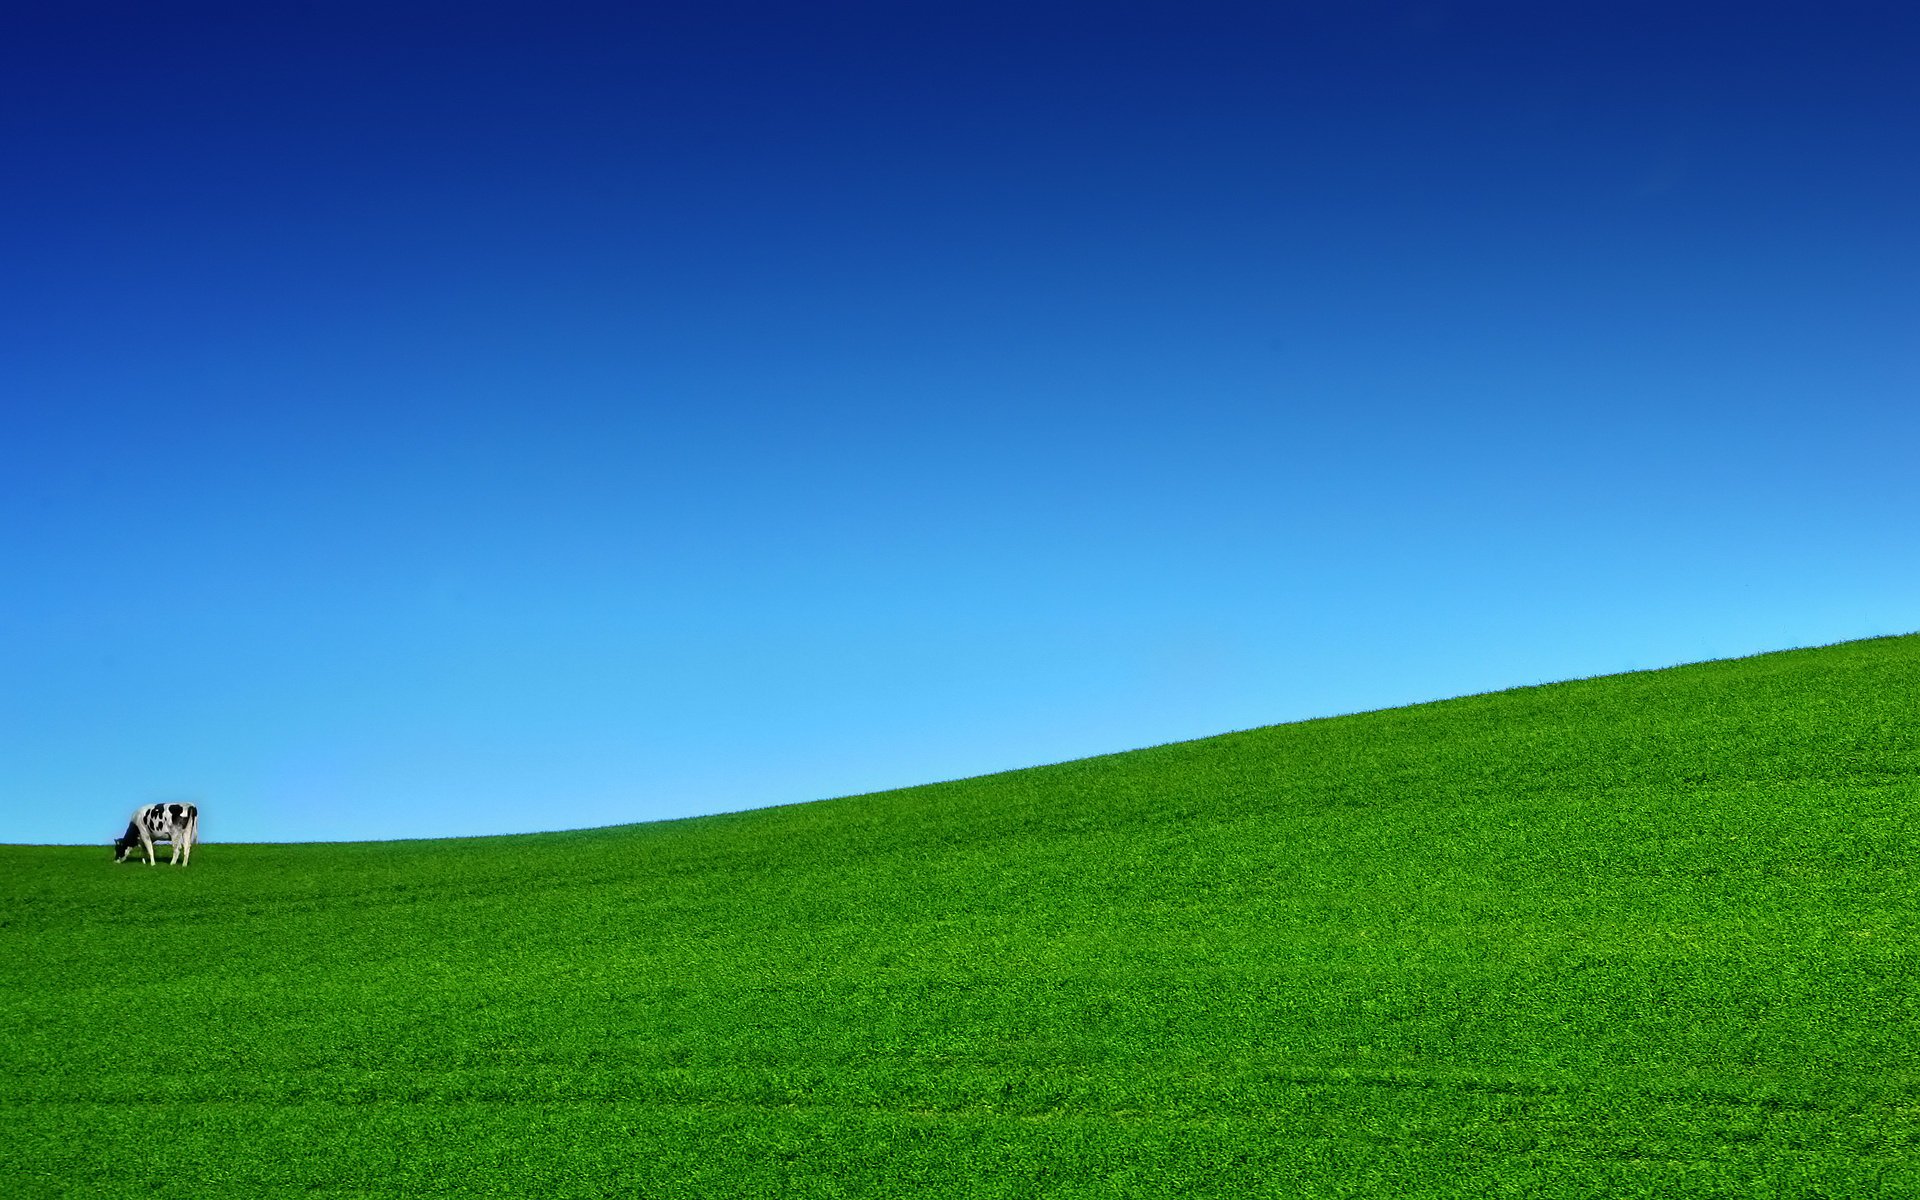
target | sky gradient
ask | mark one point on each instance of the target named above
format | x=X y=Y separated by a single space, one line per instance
x=444 y=419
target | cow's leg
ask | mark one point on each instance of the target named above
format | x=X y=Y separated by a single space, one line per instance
x=146 y=844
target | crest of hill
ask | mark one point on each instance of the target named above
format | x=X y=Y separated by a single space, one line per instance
x=1722 y=741
x=1835 y=716
x=1838 y=715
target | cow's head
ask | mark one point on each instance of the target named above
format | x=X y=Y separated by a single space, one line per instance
x=124 y=844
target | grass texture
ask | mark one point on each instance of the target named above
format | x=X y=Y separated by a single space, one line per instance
x=1645 y=935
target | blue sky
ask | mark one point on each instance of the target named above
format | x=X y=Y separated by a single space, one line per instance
x=433 y=419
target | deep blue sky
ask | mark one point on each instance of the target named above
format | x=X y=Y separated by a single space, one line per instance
x=432 y=419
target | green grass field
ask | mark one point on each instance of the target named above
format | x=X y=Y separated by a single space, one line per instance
x=1646 y=935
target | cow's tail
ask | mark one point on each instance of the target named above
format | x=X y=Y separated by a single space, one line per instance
x=192 y=833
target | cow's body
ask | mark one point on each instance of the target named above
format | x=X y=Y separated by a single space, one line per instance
x=178 y=825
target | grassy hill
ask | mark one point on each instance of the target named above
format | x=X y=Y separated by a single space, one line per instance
x=1651 y=934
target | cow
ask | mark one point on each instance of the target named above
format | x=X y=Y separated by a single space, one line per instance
x=176 y=824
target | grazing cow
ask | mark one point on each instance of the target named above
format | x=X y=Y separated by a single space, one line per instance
x=178 y=825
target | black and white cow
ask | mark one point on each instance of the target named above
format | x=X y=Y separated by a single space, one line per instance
x=178 y=825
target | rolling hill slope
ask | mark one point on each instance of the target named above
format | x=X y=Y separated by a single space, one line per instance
x=1651 y=934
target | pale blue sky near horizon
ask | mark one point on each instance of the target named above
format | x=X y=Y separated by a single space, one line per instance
x=432 y=419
